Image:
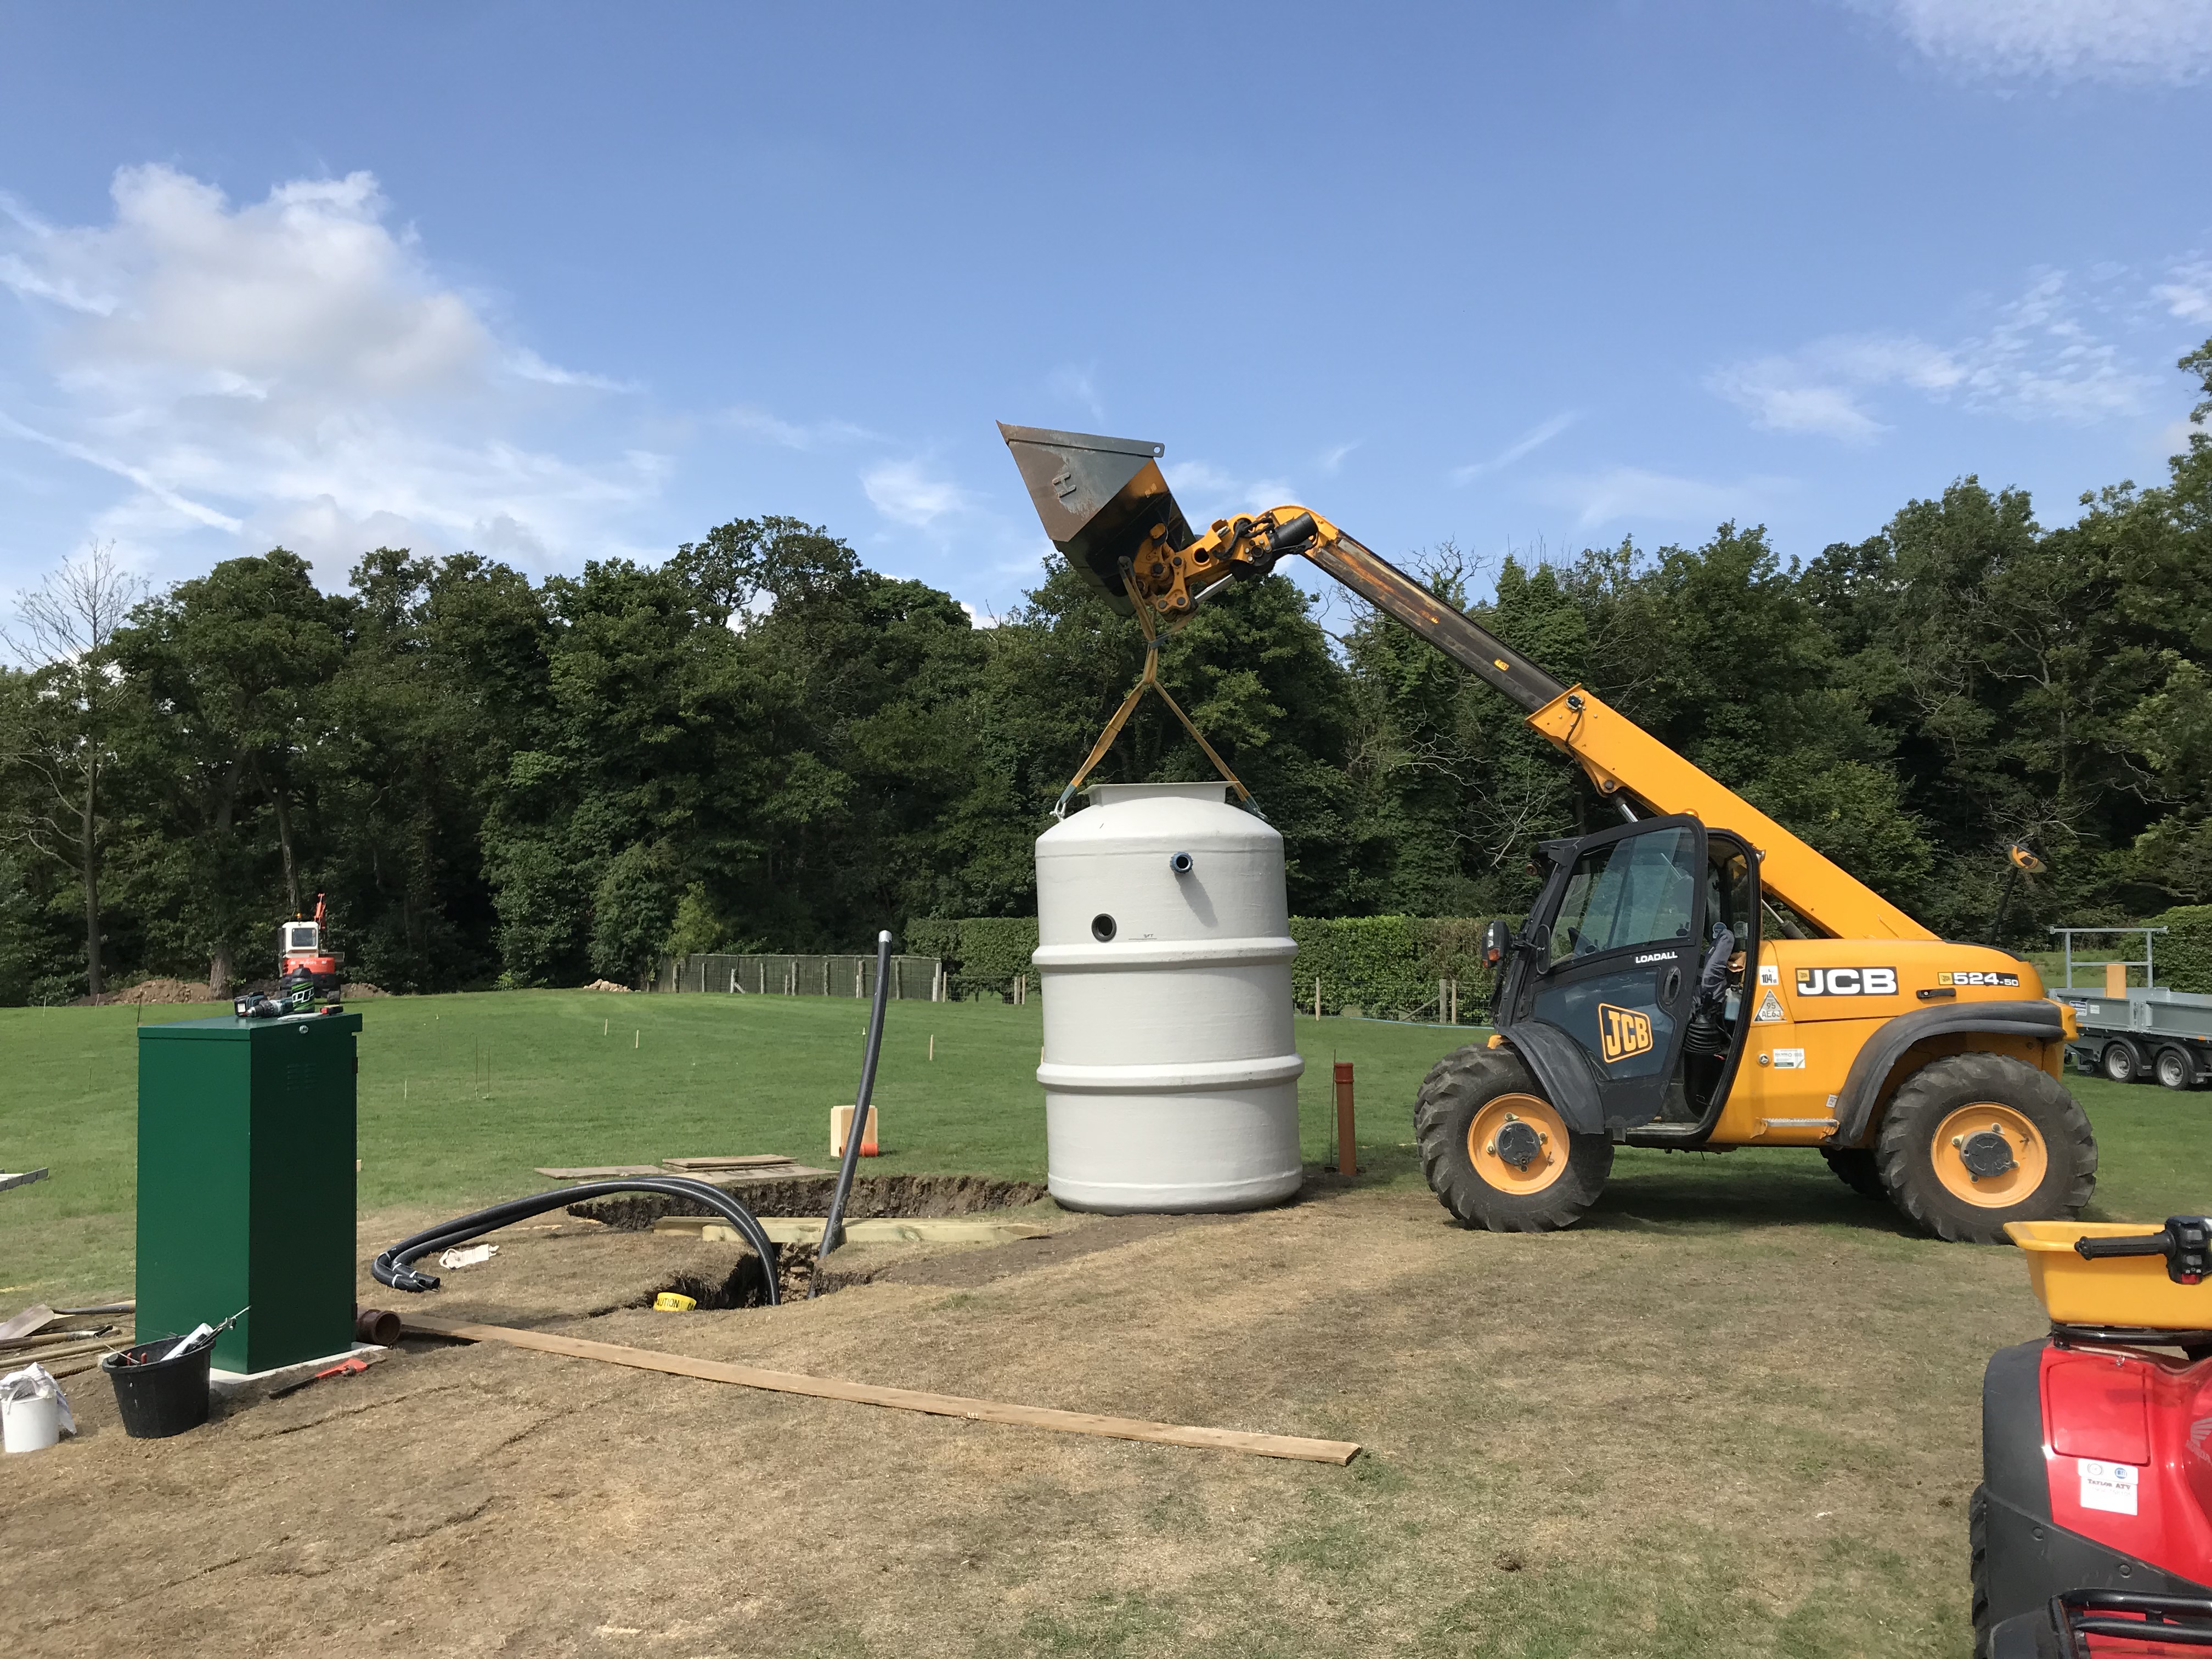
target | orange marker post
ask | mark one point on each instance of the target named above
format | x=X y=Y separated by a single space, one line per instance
x=1347 y=1152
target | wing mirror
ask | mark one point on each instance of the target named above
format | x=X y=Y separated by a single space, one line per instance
x=1497 y=939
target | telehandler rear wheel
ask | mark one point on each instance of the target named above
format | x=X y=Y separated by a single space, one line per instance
x=1972 y=1141
x=1857 y=1168
x=1497 y=1153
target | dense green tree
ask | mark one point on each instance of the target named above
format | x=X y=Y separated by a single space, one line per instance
x=762 y=743
x=448 y=664
x=232 y=670
x=58 y=739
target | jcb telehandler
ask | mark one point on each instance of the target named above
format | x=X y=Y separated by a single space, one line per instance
x=1695 y=977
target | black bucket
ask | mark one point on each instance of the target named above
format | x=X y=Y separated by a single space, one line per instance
x=161 y=1397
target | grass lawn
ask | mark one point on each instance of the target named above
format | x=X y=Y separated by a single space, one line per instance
x=1734 y=1414
x=461 y=1095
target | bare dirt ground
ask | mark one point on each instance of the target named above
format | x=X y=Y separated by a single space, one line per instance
x=1740 y=1432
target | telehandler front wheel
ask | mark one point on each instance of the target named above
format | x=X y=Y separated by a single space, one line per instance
x=1972 y=1141
x=1497 y=1153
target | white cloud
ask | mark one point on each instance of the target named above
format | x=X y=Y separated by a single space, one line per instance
x=977 y=617
x=1206 y=493
x=1817 y=390
x=1526 y=444
x=1074 y=385
x=2067 y=39
x=795 y=435
x=905 y=493
x=292 y=368
x=1633 y=492
x=530 y=366
x=2188 y=295
x=2037 y=359
x=1332 y=458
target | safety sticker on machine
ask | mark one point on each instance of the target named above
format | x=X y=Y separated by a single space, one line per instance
x=2108 y=1486
x=1789 y=1059
x=1770 y=1011
x=1770 y=974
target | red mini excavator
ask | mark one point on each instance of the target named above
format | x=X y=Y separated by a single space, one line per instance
x=300 y=948
x=2093 y=1525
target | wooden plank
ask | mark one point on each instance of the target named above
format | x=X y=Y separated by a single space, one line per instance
x=603 y=1171
x=32 y=1345
x=34 y=1318
x=49 y=1356
x=907 y=1400
x=876 y=1229
x=749 y=1161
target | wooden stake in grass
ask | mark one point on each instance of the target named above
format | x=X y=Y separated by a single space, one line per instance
x=932 y=1045
x=637 y=1039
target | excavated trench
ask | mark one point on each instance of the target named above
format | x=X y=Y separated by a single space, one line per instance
x=872 y=1196
x=746 y=1285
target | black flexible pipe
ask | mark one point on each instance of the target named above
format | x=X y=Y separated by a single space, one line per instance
x=391 y=1268
x=833 y=1225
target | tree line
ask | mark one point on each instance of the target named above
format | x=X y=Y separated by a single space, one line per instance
x=760 y=745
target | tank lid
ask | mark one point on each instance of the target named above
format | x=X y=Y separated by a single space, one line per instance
x=1107 y=795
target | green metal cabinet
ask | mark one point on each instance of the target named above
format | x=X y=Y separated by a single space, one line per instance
x=246 y=1183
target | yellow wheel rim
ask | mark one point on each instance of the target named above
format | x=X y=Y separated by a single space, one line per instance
x=1966 y=1131
x=1501 y=1117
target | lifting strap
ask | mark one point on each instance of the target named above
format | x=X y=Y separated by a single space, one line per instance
x=1148 y=681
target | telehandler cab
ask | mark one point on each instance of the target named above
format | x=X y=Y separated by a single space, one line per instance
x=1695 y=977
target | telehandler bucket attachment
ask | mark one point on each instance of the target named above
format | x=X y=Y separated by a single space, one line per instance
x=1098 y=498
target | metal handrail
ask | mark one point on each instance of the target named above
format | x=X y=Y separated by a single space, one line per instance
x=2150 y=977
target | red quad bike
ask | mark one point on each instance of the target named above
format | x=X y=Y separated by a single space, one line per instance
x=2093 y=1525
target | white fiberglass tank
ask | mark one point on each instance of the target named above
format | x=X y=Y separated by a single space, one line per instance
x=1170 y=1079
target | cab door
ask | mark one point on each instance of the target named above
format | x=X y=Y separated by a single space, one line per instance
x=1616 y=957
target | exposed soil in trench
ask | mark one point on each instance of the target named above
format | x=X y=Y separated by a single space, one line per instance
x=872 y=1196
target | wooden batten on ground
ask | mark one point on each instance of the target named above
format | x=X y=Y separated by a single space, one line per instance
x=874 y=1230
x=749 y=1161
x=908 y=1400
x=600 y=1171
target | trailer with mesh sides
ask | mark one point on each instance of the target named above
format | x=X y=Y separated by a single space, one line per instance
x=2146 y=1033
x=2135 y=1033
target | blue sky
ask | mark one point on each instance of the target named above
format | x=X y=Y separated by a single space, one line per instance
x=557 y=281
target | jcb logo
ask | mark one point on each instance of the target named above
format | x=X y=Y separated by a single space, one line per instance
x=1624 y=1030
x=1847 y=981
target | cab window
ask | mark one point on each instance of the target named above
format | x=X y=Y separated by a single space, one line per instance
x=1636 y=891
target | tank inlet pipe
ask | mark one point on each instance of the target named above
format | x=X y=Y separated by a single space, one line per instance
x=392 y=1267
x=833 y=1227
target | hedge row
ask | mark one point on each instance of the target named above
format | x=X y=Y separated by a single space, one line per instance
x=1382 y=966
x=2184 y=951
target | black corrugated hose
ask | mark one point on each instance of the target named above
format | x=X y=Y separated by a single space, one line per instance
x=833 y=1225
x=391 y=1268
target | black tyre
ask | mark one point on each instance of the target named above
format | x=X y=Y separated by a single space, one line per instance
x=1857 y=1168
x=1497 y=1153
x=1977 y=1571
x=2174 y=1069
x=1972 y=1141
x=2121 y=1063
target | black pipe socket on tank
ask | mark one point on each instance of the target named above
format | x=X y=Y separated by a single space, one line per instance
x=1179 y=863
